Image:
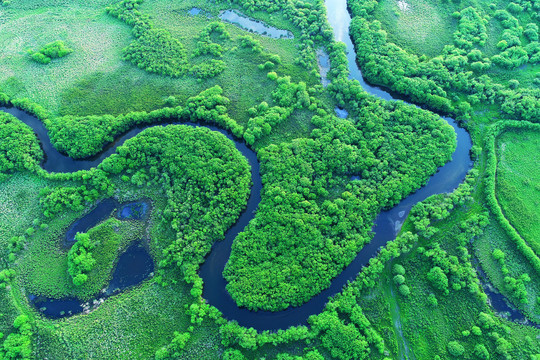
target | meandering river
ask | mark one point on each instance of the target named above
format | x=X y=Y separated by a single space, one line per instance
x=386 y=226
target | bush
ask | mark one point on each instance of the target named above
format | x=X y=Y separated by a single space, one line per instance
x=481 y=352
x=438 y=279
x=404 y=290
x=455 y=348
x=157 y=51
x=80 y=260
x=398 y=269
x=54 y=50
x=432 y=300
x=399 y=279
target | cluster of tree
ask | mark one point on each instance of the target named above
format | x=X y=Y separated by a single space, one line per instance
x=206 y=180
x=309 y=354
x=345 y=331
x=18 y=344
x=54 y=50
x=513 y=53
x=248 y=42
x=487 y=323
x=394 y=147
x=471 y=28
x=310 y=18
x=399 y=279
x=19 y=148
x=174 y=349
x=210 y=107
x=95 y=184
x=438 y=207
x=455 y=271
x=262 y=119
x=84 y=136
x=156 y=50
x=16 y=244
x=516 y=287
x=208 y=69
x=490 y=180
x=522 y=104
x=288 y=96
x=6 y=276
x=80 y=260
x=233 y=334
x=205 y=45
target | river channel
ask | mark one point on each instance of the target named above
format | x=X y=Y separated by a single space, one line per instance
x=386 y=226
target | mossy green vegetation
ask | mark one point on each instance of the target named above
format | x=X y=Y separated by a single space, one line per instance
x=324 y=179
x=518 y=182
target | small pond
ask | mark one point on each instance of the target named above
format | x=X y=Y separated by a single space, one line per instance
x=255 y=26
x=137 y=210
x=101 y=212
x=341 y=113
x=323 y=61
x=194 y=11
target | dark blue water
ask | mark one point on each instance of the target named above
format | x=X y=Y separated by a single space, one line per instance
x=137 y=210
x=101 y=212
x=133 y=267
x=233 y=17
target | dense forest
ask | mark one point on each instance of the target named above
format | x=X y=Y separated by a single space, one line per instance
x=242 y=141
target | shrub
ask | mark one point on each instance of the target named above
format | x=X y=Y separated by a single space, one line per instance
x=54 y=50
x=404 y=290
x=399 y=279
x=455 y=348
x=398 y=269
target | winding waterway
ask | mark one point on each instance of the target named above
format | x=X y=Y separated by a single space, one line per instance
x=386 y=226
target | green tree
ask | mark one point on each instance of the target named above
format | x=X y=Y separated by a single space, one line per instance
x=455 y=348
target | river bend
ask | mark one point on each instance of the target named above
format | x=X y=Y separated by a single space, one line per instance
x=386 y=226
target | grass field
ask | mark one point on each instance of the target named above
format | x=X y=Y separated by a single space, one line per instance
x=96 y=38
x=424 y=28
x=132 y=325
x=420 y=26
x=95 y=80
x=19 y=207
x=518 y=182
